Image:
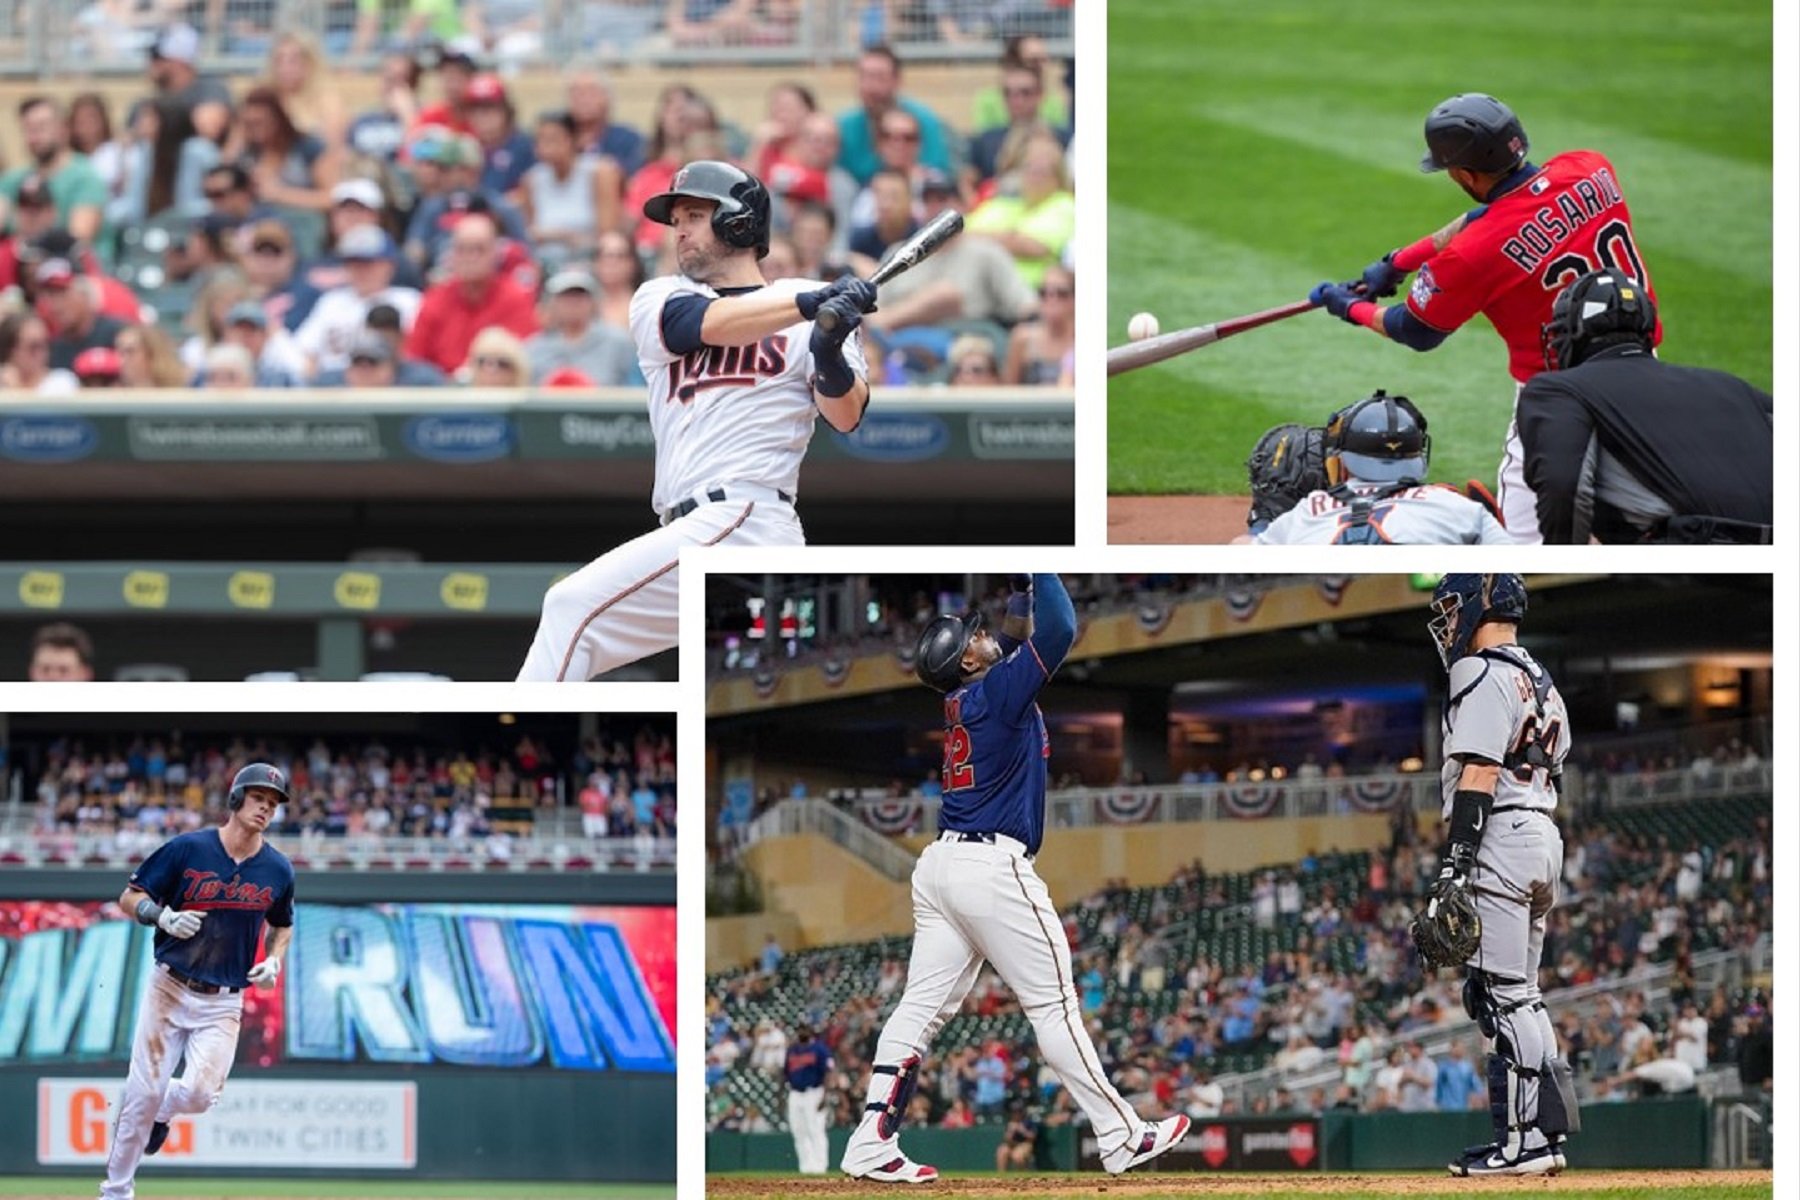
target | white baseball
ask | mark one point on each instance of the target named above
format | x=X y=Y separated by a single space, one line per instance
x=1142 y=326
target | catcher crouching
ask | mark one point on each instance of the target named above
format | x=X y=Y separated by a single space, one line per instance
x=1505 y=735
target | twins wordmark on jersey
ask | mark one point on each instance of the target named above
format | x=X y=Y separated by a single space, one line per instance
x=728 y=414
x=195 y=873
x=1524 y=247
x=1504 y=708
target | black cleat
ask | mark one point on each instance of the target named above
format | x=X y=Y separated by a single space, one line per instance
x=159 y=1133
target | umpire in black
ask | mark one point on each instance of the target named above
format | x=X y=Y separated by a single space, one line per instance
x=1622 y=447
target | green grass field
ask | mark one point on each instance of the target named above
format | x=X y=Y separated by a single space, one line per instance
x=1256 y=149
x=324 y=1189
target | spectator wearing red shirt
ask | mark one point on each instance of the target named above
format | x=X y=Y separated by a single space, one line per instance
x=475 y=296
x=594 y=799
x=114 y=298
x=456 y=68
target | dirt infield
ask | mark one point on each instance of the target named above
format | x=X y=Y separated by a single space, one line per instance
x=1176 y=520
x=1634 y=1182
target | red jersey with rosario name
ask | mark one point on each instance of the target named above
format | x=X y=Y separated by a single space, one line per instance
x=1508 y=264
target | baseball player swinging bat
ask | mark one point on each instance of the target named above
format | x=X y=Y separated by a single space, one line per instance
x=1153 y=350
x=915 y=250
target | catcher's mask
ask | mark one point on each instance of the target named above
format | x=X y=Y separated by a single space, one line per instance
x=1463 y=603
x=1380 y=439
x=1599 y=309
x=937 y=660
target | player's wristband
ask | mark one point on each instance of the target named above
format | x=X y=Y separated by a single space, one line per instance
x=1468 y=820
x=1366 y=313
x=1019 y=605
x=148 y=911
x=832 y=375
x=1411 y=258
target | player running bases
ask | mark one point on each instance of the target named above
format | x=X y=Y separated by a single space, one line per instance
x=976 y=896
x=738 y=372
x=207 y=894
x=1533 y=230
x=1506 y=734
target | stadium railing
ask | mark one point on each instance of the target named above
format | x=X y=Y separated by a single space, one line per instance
x=500 y=852
x=66 y=37
x=817 y=817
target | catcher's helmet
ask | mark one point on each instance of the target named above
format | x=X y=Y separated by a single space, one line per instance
x=1601 y=308
x=742 y=218
x=938 y=658
x=255 y=775
x=1381 y=439
x=1463 y=603
x=1476 y=132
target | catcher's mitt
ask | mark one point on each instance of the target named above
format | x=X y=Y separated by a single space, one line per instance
x=1287 y=463
x=1448 y=930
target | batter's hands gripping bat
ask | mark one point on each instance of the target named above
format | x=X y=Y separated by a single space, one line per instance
x=913 y=251
x=1153 y=350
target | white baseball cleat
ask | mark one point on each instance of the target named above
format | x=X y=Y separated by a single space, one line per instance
x=899 y=1169
x=1157 y=1138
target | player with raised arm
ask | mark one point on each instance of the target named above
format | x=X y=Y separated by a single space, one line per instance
x=1505 y=735
x=977 y=897
x=1533 y=230
x=207 y=894
x=738 y=372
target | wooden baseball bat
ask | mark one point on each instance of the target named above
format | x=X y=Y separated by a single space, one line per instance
x=915 y=250
x=1130 y=357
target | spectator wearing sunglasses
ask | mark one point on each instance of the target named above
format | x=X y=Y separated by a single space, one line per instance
x=25 y=358
x=496 y=360
x=878 y=94
x=1041 y=352
x=972 y=362
x=997 y=151
x=230 y=195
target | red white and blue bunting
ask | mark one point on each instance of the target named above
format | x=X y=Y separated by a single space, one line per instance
x=893 y=817
x=1127 y=808
x=1251 y=800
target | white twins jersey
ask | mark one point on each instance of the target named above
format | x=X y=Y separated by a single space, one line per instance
x=729 y=414
x=1433 y=514
x=1504 y=708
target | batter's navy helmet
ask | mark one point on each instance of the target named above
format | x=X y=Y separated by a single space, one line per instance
x=1381 y=439
x=1464 y=603
x=256 y=775
x=1476 y=132
x=937 y=660
x=742 y=218
x=1601 y=308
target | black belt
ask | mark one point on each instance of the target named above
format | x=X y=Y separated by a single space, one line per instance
x=1701 y=531
x=717 y=496
x=986 y=838
x=195 y=985
x=1506 y=808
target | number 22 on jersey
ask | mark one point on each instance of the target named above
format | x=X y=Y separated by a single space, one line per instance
x=957 y=772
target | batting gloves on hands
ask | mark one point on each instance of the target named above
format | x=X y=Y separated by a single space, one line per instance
x=859 y=292
x=1382 y=278
x=1334 y=298
x=263 y=973
x=1020 y=583
x=180 y=924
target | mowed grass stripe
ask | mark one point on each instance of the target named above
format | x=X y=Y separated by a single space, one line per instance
x=1189 y=422
x=1255 y=150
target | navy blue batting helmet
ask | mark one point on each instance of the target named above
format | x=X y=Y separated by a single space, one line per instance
x=1463 y=603
x=256 y=775
x=938 y=658
x=742 y=216
x=1476 y=132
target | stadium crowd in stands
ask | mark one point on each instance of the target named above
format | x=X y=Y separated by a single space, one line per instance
x=1324 y=975
x=622 y=781
x=229 y=233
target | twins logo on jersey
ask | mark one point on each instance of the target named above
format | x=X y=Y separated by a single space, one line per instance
x=727 y=366
x=206 y=888
x=1424 y=287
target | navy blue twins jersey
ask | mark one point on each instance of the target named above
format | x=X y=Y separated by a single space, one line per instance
x=996 y=748
x=193 y=873
x=806 y=1065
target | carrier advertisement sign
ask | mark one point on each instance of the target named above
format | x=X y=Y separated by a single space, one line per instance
x=257 y=1123
x=556 y=987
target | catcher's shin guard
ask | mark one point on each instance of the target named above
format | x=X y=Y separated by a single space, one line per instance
x=1559 y=1112
x=1504 y=1086
x=892 y=1108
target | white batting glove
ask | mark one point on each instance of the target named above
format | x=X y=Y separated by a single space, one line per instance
x=180 y=924
x=263 y=973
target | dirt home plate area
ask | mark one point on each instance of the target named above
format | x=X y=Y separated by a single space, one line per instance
x=1175 y=520
x=1612 y=1185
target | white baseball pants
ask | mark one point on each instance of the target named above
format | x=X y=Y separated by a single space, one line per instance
x=974 y=902
x=807 y=1122
x=171 y=1020
x=624 y=605
x=1518 y=503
